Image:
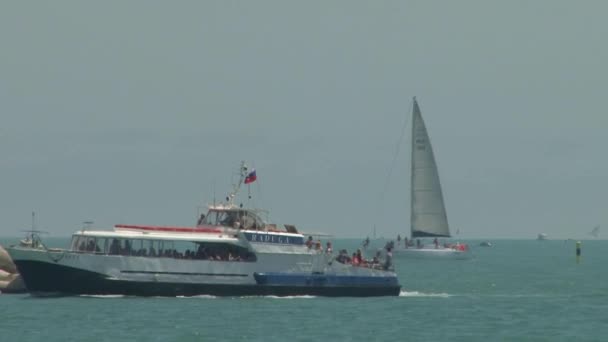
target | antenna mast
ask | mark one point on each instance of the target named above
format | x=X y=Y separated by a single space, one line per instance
x=237 y=187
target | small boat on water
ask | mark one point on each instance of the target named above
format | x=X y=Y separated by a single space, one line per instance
x=485 y=244
x=595 y=232
x=542 y=236
x=428 y=218
x=232 y=251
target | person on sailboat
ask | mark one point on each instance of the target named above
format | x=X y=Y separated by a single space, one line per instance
x=436 y=242
x=406 y=242
x=398 y=239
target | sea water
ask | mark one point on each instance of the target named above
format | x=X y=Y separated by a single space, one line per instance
x=516 y=290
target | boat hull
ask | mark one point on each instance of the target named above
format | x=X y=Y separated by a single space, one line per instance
x=432 y=253
x=43 y=278
x=375 y=285
x=65 y=273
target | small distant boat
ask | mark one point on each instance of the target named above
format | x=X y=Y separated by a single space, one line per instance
x=428 y=218
x=485 y=244
x=595 y=232
x=542 y=236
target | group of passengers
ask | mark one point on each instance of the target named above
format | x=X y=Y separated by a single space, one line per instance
x=203 y=252
x=89 y=247
x=318 y=246
x=407 y=243
x=357 y=259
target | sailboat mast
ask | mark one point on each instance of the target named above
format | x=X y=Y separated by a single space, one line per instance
x=414 y=105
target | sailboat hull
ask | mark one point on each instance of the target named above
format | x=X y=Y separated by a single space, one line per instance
x=428 y=252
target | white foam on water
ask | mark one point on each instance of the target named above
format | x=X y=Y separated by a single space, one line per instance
x=291 y=297
x=281 y=297
x=198 y=296
x=422 y=294
x=103 y=296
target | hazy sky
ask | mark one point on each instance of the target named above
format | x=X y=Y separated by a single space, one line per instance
x=131 y=111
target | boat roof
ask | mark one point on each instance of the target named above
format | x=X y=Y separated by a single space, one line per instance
x=160 y=235
x=200 y=233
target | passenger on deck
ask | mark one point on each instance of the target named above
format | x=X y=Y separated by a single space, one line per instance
x=360 y=257
x=418 y=244
x=328 y=249
x=318 y=246
x=309 y=242
x=343 y=256
x=436 y=242
x=355 y=260
x=389 y=259
x=376 y=259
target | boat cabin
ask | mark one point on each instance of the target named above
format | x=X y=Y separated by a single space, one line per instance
x=240 y=218
x=143 y=244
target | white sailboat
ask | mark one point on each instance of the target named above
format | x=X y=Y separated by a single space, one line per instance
x=428 y=218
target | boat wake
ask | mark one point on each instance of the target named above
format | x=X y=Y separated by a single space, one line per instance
x=280 y=297
x=103 y=296
x=250 y=297
x=198 y=296
x=422 y=294
x=291 y=297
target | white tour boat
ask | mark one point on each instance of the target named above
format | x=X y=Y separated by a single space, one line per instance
x=232 y=251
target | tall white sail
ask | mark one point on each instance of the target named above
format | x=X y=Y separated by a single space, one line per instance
x=428 y=217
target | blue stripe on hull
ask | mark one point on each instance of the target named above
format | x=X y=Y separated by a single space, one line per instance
x=44 y=277
x=308 y=279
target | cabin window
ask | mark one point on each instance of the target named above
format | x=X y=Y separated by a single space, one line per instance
x=227 y=218
x=212 y=251
x=76 y=243
x=152 y=247
x=139 y=249
x=126 y=247
x=114 y=248
x=222 y=252
x=211 y=218
x=168 y=249
x=92 y=245
x=250 y=221
x=161 y=248
x=106 y=243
